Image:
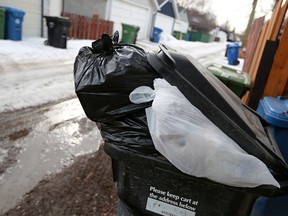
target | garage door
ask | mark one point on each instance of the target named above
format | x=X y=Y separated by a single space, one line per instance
x=123 y=12
x=164 y=22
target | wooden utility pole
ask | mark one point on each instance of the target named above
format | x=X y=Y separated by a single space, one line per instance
x=251 y=18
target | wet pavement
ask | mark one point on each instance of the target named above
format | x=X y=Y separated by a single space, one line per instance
x=38 y=141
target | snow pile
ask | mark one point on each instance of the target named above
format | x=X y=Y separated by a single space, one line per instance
x=197 y=50
x=32 y=52
x=32 y=73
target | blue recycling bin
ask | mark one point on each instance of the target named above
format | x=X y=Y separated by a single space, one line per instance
x=275 y=112
x=13 y=23
x=156 y=34
x=187 y=36
x=232 y=53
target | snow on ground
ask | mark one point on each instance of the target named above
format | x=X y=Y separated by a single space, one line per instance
x=32 y=52
x=32 y=73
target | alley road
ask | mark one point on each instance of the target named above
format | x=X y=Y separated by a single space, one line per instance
x=38 y=141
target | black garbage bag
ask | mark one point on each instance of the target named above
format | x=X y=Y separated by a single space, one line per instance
x=105 y=74
x=129 y=132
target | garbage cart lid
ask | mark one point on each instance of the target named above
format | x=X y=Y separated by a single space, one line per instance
x=219 y=104
x=275 y=110
x=57 y=18
x=15 y=12
x=236 y=45
x=235 y=76
x=60 y=20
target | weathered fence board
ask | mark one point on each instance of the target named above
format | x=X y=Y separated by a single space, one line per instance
x=278 y=76
x=270 y=31
x=252 y=39
x=85 y=27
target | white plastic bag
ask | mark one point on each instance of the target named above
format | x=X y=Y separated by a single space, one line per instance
x=192 y=143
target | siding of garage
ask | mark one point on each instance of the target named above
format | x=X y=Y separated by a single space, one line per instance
x=181 y=26
x=86 y=7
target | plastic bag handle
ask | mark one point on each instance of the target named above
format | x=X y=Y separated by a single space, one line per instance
x=119 y=45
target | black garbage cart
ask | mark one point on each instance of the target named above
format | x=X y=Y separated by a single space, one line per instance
x=58 y=28
x=147 y=183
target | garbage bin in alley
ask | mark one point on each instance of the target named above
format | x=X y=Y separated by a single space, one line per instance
x=147 y=183
x=275 y=112
x=156 y=34
x=58 y=28
x=2 y=22
x=129 y=33
x=177 y=34
x=237 y=81
x=13 y=23
x=232 y=53
x=151 y=185
x=162 y=189
x=183 y=36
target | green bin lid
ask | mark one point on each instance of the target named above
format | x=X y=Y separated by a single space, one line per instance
x=130 y=27
x=226 y=73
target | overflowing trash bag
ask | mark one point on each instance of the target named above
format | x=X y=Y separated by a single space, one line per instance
x=188 y=146
x=193 y=144
x=105 y=74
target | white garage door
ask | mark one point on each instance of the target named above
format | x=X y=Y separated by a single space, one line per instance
x=164 y=22
x=31 y=26
x=123 y=12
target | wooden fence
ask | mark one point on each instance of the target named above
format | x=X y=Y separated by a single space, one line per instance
x=267 y=63
x=85 y=27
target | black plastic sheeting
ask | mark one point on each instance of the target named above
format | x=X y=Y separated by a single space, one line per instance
x=105 y=74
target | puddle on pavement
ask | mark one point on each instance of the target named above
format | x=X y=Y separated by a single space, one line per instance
x=19 y=134
x=60 y=135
